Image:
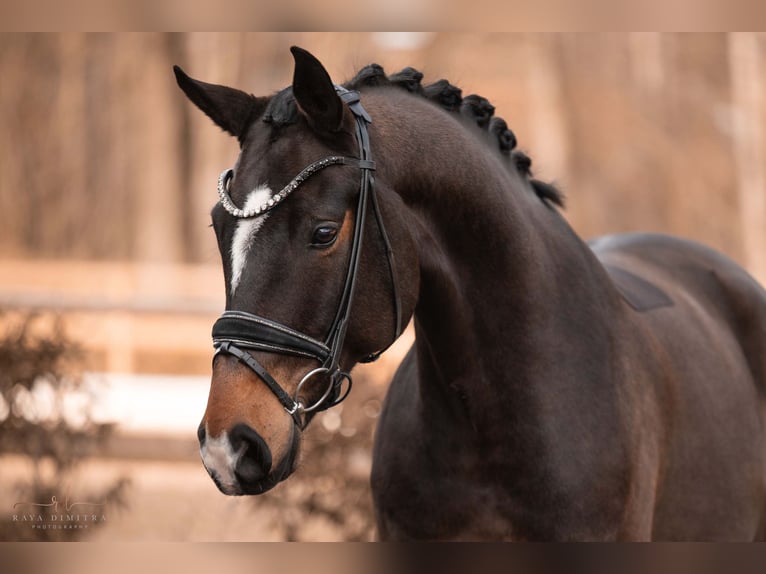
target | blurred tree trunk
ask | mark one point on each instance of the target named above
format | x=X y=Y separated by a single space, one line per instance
x=747 y=93
x=547 y=116
x=157 y=228
x=210 y=151
x=647 y=64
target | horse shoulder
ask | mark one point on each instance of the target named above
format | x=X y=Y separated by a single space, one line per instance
x=424 y=480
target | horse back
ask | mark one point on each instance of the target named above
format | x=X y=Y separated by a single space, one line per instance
x=704 y=359
x=672 y=272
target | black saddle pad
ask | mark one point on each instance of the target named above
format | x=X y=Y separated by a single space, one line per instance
x=638 y=292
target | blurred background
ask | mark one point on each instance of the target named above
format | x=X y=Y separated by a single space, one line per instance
x=110 y=277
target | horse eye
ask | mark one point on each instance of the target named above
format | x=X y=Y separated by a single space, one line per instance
x=324 y=235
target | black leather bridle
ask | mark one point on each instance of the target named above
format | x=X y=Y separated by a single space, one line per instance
x=237 y=331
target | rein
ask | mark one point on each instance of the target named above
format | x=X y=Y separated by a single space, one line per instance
x=237 y=331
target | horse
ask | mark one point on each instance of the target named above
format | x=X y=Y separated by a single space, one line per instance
x=556 y=390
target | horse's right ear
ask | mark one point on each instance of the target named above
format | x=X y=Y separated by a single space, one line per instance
x=231 y=109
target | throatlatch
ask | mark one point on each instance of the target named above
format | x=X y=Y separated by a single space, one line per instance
x=237 y=331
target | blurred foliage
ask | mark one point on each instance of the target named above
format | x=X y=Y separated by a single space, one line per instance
x=39 y=371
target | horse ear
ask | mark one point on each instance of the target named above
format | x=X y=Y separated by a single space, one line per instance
x=231 y=109
x=315 y=93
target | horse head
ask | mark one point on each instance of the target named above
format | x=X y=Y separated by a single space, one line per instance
x=312 y=286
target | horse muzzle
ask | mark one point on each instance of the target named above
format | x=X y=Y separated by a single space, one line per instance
x=240 y=462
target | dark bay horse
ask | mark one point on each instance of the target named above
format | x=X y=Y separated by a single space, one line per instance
x=556 y=390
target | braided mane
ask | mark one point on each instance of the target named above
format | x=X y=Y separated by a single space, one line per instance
x=472 y=109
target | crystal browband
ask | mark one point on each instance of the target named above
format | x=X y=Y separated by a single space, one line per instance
x=277 y=198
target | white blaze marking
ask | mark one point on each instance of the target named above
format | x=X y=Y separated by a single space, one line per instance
x=245 y=232
x=219 y=459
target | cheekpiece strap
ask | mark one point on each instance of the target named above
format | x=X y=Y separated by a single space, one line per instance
x=353 y=101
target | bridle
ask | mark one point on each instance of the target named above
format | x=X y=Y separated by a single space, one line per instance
x=237 y=331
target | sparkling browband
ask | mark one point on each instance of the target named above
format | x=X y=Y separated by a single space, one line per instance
x=277 y=198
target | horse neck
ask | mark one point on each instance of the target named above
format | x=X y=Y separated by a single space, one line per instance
x=506 y=285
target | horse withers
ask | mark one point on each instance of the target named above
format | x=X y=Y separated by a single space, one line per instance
x=556 y=390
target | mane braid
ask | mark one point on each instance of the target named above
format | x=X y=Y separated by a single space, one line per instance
x=475 y=110
x=409 y=79
x=444 y=94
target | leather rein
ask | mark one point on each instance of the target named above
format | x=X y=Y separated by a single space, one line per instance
x=236 y=332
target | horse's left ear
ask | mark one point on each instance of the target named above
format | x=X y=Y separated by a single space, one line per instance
x=315 y=93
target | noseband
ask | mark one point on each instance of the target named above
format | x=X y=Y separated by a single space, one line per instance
x=237 y=331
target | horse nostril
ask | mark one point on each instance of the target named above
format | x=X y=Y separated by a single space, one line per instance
x=201 y=434
x=254 y=463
